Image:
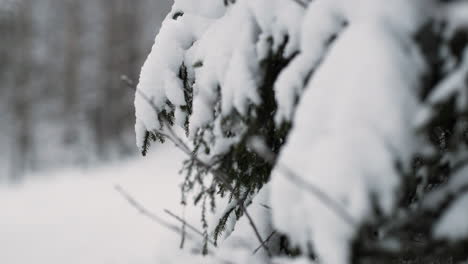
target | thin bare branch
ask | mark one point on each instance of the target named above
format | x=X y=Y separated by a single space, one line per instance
x=265 y=242
x=141 y=209
x=144 y=211
x=265 y=206
x=191 y=227
x=184 y=228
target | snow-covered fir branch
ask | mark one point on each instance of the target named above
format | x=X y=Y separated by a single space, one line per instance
x=365 y=100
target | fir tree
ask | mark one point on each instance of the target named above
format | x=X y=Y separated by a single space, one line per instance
x=367 y=171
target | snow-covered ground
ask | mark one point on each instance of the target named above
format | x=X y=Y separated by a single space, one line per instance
x=77 y=216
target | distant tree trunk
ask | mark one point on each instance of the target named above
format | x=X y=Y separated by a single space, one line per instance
x=121 y=57
x=20 y=93
x=71 y=73
x=6 y=79
x=129 y=65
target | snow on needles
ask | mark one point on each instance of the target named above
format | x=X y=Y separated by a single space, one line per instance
x=354 y=119
x=341 y=143
x=221 y=47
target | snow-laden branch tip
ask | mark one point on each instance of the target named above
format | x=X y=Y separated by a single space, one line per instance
x=178 y=142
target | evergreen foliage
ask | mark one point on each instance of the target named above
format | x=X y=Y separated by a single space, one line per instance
x=406 y=235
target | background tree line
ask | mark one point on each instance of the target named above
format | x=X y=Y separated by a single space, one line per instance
x=61 y=98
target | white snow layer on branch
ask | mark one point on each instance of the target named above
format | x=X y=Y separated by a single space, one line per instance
x=353 y=123
x=453 y=85
x=221 y=48
x=453 y=225
x=323 y=21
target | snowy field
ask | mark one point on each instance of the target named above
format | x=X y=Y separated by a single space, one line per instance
x=77 y=217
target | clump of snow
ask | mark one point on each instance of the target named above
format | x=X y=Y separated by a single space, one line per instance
x=340 y=142
x=222 y=48
x=229 y=63
x=437 y=196
x=453 y=85
x=457 y=12
x=453 y=224
x=159 y=79
x=321 y=22
x=231 y=51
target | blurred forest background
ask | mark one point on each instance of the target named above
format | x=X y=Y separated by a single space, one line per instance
x=62 y=102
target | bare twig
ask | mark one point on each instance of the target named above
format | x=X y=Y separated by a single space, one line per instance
x=144 y=211
x=257 y=234
x=264 y=242
x=265 y=206
x=141 y=209
x=191 y=227
x=184 y=227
